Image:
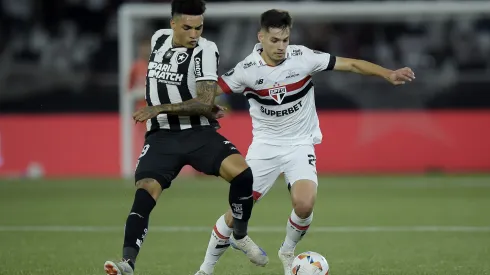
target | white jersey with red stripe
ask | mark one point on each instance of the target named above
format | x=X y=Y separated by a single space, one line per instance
x=282 y=100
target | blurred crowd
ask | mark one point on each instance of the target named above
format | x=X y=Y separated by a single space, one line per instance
x=64 y=53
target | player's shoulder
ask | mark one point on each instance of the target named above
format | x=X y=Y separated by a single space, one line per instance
x=207 y=44
x=162 y=32
x=247 y=63
x=241 y=67
x=298 y=50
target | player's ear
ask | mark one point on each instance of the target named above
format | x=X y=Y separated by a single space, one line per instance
x=173 y=22
x=260 y=36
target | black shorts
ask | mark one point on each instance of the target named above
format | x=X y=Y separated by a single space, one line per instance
x=166 y=152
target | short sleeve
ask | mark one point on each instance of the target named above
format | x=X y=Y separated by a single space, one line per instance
x=158 y=34
x=206 y=63
x=232 y=81
x=318 y=61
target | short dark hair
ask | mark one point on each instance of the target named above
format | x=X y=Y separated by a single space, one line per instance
x=189 y=7
x=275 y=19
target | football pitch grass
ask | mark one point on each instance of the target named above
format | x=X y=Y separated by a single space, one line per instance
x=363 y=225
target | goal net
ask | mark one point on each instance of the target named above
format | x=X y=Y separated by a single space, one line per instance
x=441 y=39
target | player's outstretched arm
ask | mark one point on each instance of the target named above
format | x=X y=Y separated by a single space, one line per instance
x=397 y=77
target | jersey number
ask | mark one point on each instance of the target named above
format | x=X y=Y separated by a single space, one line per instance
x=312 y=160
x=144 y=151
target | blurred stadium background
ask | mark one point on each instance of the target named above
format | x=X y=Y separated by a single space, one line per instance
x=404 y=187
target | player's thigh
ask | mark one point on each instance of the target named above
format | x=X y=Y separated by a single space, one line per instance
x=265 y=173
x=299 y=165
x=160 y=159
x=212 y=150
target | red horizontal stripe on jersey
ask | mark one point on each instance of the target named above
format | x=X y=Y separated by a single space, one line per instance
x=224 y=87
x=289 y=87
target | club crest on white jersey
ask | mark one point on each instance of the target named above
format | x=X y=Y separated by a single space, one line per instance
x=278 y=93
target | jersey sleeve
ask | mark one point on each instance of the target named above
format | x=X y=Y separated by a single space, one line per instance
x=206 y=63
x=232 y=81
x=158 y=34
x=318 y=61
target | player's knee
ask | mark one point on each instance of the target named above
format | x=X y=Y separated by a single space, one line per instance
x=232 y=166
x=244 y=179
x=303 y=208
x=151 y=186
x=303 y=196
x=229 y=218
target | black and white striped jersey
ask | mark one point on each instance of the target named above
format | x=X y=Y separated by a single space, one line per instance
x=171 y=78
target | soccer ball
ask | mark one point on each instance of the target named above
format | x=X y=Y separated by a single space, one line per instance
x=309 y=263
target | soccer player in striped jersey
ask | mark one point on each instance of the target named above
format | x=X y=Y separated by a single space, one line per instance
x=181 y=83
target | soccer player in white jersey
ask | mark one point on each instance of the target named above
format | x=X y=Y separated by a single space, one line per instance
x=276 y=79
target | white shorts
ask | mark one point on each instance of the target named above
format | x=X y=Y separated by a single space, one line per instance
x=297 y=162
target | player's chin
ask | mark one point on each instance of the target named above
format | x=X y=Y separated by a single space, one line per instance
x=279 y=56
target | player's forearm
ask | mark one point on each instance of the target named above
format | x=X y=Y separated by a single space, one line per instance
x=201 y=105
x=187 y=108
x=368 y=68
x=218 y=91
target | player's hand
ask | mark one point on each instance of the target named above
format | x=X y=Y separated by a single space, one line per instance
x=145 y=113
x=401 y=76
x=218 y=111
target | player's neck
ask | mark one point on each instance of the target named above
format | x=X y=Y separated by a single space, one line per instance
x=176 y=44
x=269 y=61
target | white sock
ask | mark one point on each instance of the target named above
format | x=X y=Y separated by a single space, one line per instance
x=218 y=243
x=295 y=230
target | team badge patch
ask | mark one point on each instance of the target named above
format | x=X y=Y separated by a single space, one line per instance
x=182 y=57
x=278 y=94
x=230 y=72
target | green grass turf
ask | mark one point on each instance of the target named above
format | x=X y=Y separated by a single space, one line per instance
x=369 y=226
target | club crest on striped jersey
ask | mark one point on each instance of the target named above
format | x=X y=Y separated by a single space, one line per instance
x=278 y=93
x=182 y=57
